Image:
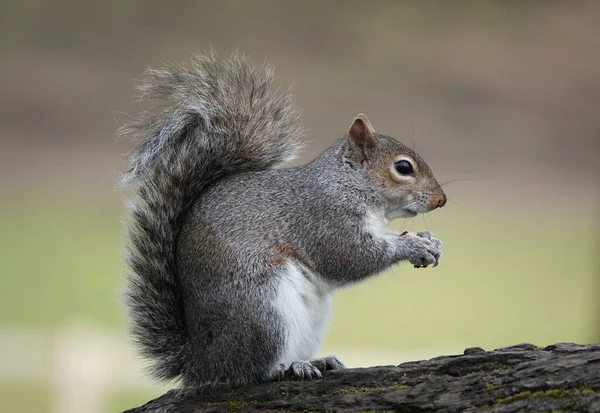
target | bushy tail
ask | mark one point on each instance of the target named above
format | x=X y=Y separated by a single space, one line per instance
x=219 y=118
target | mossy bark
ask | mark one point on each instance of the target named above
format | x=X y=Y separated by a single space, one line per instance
x=561 y=377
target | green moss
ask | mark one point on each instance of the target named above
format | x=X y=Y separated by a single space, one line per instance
x=587 y=390
x=554 y=393
x=235 y=406
x=489 y=387
x=394 y=386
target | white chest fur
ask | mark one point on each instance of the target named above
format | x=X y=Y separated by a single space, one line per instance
x=304 y=303
x=376 y=224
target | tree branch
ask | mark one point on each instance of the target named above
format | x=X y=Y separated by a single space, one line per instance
x=519 y=378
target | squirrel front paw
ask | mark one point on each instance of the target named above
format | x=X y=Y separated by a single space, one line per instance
x=421 y=249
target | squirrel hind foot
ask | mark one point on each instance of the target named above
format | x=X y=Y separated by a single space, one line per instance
x=302 y=370
x=309 y=369
x=328 y=363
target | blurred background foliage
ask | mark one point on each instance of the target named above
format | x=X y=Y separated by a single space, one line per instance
x=502 y=96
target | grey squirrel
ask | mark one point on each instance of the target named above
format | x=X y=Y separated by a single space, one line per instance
x=232 y=258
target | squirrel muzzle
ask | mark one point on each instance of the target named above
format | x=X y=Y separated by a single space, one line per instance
x=437 y=201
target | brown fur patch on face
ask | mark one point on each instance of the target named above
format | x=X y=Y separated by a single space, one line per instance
x=382 y=169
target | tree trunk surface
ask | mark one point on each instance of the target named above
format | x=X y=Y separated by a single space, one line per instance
x=523 y=378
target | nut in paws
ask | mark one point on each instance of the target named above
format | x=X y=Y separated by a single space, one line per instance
x=422 y=249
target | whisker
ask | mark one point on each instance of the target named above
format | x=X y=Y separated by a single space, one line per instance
x=455 y=203
x=409 y=203
x=411 y=134
x=458 y=180
x=452 y=181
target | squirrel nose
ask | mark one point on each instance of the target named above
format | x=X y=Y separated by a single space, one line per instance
x=437 y=201
x=442 y=201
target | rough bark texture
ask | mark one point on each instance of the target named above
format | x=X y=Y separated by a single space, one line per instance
x=522 y=378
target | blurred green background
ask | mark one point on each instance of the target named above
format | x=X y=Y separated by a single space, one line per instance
x=504 y=96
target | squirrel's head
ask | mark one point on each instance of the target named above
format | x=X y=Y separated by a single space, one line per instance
x=398 y=174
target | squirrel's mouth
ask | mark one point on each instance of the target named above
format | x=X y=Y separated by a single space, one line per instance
x=407 y=213
x=401 y=213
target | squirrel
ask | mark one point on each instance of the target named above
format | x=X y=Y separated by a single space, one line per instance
x=232 y=257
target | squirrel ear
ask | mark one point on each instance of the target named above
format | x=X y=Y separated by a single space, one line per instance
x=361 y=132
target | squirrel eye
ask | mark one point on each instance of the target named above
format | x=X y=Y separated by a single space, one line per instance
x=404 y=167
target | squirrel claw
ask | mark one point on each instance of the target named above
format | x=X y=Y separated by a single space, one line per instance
x=302 y=370
x=423 y=250
x=328 y=363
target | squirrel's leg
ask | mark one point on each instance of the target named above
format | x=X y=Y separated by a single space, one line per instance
x=368 y=249
x=234 y=343
x=420 y=248
x=304 y=304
